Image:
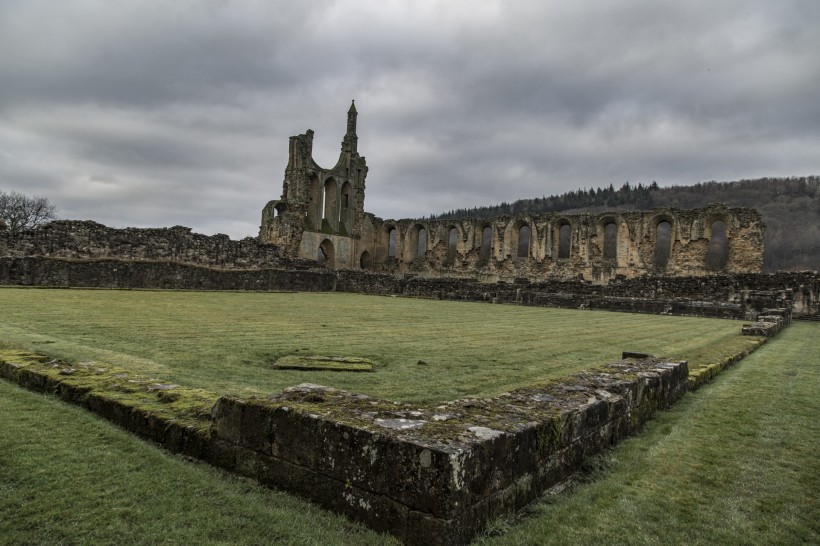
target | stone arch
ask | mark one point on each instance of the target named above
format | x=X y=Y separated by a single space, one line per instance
x=608 y=237
x=366 y=260
x=331 y=210
x=523 y=239
x=326 y=254
x=663 y=237
x=452 y=246
x=563 y=239
x=385 y=244
x=315 y=203
x=415 y=239
x=421 y=241
x=392 y=242
x=717 y=251
x=486 y=244
x=346 y=208
x=280 y=209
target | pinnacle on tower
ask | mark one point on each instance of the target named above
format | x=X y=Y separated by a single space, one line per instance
x=351 y=118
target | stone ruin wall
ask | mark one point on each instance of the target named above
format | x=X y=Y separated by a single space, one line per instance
x=583 y=256
x=428 y=475
x=321 y=214
x=87 y=240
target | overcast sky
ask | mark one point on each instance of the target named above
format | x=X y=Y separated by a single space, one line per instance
x=158 y=113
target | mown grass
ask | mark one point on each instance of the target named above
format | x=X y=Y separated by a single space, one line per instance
x=67 y=477
x=733 y=463
x=428 y=351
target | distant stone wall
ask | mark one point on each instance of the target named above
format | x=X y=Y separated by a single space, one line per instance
x=89 y=240
x=88 y=254
x=321 y=214
x=593 y=247
x=111 y=273
x=740 y=297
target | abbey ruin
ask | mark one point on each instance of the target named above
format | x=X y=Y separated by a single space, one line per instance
x=318 y=237
x=426 y=474
x=321 y=216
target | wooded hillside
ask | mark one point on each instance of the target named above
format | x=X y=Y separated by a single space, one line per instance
x=790 y=208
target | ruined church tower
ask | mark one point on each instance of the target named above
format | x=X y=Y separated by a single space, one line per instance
x=320 y=211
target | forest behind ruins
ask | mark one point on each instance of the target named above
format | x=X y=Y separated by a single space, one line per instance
x=790 y=208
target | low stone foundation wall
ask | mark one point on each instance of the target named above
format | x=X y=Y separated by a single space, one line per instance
x=438 y=475
x=36 y=271
x=429 y=475
x=741 y=297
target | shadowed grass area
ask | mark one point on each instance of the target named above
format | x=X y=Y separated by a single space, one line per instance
x=67 y=477
x=428 y=351
x=733 y=463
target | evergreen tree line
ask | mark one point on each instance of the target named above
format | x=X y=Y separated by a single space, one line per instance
x=790 y=208
x=635 y=197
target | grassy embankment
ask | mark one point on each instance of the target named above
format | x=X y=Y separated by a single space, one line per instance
x=426 y=351
x=733 y=463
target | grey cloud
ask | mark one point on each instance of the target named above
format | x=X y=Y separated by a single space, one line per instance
x=150 y=113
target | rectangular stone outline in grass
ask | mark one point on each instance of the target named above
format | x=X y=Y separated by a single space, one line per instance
x=324 y=363
x=426 y=474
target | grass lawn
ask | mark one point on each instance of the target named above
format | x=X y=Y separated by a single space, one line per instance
x=733 y=463
x=68 y=477
x=425 y=351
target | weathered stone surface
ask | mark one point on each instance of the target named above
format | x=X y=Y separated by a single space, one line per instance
x=441 y=479
x=467 y=462
x=90 y=240
x=593 y=247
x=112 y=273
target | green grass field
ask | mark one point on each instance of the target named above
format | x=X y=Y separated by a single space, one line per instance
x=426 y=351
x=733 y=463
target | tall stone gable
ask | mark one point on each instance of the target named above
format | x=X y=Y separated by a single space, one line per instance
x=319 y=215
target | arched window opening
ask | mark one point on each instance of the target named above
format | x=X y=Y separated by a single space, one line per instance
x=345 y=211
x=663 y=245
x=366 y=260
x=717 y=253
x=391 y=243
x=421 y=249
x=524 y=241
x=326 y=255
x=564 y=241
x=486 y=244
x=610 y=241
x=452 y=242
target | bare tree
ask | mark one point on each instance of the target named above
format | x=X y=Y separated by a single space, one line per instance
x=20 y=212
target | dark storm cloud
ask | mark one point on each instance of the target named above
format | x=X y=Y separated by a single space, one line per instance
x=156 y=113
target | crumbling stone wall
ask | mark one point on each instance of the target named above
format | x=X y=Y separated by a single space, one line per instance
x=125 y=274
x=321 y=214
x=510 y=257
x=740 y=297
x=429 y=475
x=90 y=240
